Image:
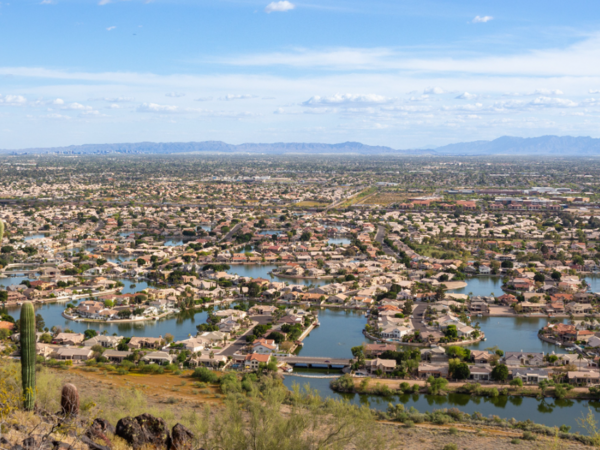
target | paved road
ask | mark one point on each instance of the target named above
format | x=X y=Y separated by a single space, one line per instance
x=417 y=318
x=379 y=237
x=241 y=342
x=229 y=235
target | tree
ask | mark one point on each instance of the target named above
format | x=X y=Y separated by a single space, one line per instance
x=407 y=308
x=89 y=333
x=277 y=337
x=556 y=275
x=436 y=385
x=539 y=277
x=500 y=373
x=168 y=338
x=451 y=332
x=39 y=322
x=461 y=371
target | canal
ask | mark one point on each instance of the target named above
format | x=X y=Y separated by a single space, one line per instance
x=549 y=412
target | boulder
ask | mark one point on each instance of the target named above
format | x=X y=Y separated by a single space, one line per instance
x=144 y=431
x=181 y=438
x=98 y=430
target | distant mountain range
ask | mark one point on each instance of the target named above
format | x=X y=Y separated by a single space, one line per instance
x=506 y=145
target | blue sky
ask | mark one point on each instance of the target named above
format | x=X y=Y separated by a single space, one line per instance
x=406 y=74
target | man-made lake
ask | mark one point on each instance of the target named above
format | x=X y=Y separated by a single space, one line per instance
x=262 y=271
x=550 y=412
x=514 y=334
x=340 y=330
x=482 y=285
x=180 y=326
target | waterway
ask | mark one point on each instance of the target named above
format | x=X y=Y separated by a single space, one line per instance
x=550 y=412
x=262 y=271
x=340 y=330
x=481 y=286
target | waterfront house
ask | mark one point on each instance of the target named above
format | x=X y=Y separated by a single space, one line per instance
x=531 y=359
x=253 y=360
x=383 y=365
x=426 y=370
x=264 y=346
x=480 y=373
x=530 y=376
x=584 y=378
x=371 y=350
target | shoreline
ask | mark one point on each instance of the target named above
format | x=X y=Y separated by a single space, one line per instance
x=454 y=387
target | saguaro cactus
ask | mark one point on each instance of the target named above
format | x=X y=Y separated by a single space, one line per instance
x=69 y=400
x=1 y=230
x=28 y=355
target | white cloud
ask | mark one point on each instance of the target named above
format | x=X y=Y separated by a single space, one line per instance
x=56 y=116
x=546 y=92
x=571 y=60
x=175 y=94
x=156 y=108
x=433 y=90
x=77 y=107
x=466 y=96
x=103 y=2
x=537 y=103
x=203 y=99
x=58 y=102
x=46 y=2
x=114 y=99
x=280 y=6
x=594 y=91
x=114 y=106
x=482 y=19
x=91 y=113
x=111 y=28
x=347 y=100
x=237 y=97
x=13 y=100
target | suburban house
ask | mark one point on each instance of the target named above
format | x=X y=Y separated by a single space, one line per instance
x=383 y=365
x=73 y=354
x=253 y=360
x=158 y=358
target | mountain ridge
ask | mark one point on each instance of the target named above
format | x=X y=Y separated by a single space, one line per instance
x=505 y=145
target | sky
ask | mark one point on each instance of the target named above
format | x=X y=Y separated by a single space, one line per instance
x=405 y=74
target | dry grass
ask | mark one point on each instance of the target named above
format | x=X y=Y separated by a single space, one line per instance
x=384 y=198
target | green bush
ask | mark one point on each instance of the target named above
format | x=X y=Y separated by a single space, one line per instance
x=206 y=375
x=450 y=447
x=528 y=436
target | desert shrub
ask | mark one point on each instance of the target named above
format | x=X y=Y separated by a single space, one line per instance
x=528 y=436
x=206 y=375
